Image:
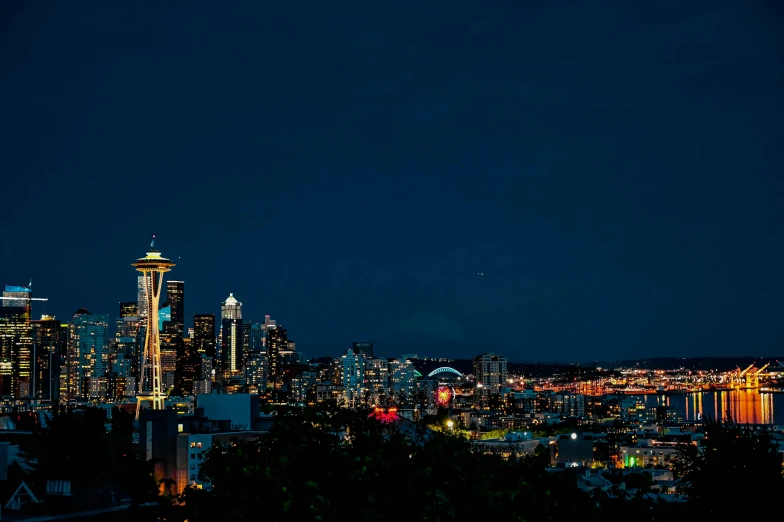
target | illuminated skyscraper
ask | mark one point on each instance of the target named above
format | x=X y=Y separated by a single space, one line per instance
x=352 y=376
x=188 y=367
x=277 y=342
x=490 y=371
x=129 y=309
x=204 y=334
x=231 y=308
x=256 y=338
x=16 y=346
x=88 y=353
x=175 y=295
x=50 y=337
x=152 y=267
x=231 y=356
x=21 y=292
x=402 y=379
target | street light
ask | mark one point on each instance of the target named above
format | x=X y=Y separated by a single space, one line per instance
x=449 y=424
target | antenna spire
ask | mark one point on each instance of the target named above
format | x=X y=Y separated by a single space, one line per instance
x=152 y=243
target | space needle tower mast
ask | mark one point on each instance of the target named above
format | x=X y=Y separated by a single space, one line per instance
x=152 y=266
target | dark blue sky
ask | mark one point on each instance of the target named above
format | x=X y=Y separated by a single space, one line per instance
x=614 y=169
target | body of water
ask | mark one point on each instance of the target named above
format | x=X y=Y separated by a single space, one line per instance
x=745 y=406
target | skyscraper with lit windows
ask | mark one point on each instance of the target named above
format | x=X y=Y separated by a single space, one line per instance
x=232 y=337
x=277 y=343
x=175 y=295
x=88 y=352
x=50 y=337
x=204 y=334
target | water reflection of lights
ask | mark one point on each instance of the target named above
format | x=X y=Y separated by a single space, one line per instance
x=744 y=406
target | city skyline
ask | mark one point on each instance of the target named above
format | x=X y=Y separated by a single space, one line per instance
x=419 y=172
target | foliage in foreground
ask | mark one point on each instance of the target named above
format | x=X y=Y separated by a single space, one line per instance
x=733 y=461
x=305 y=469
x=79 y=448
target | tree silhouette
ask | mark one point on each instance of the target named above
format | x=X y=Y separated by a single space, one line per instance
x=77 y=447
x=346 y=466
x=735 y=460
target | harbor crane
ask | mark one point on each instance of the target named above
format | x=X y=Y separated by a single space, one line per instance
x=737 y=375
x=753 y=377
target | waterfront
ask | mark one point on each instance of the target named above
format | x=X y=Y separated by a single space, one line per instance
x=745 y=406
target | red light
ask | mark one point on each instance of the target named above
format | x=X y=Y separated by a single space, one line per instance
x=387 y=416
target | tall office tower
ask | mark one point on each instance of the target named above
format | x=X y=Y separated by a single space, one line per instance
x=127 y=324
x=16 y=347
x=16 y=296
x=127 y=327
x=188 y=367
x=231 y=356
x=377 y=375
x=88 y=353
x=302 y=387
x=231 y=308
x=17 y=309
x=128 y=348
x=256 y=338
x=204 y=334
x=129 y=309
x=402 y=380
x=207 y=368
x=231 y=336
x=152 y=267
x=49 y=345
x=256 y=371
x=246 y=328
x=142 y=291
x=353 y=376
x=490 y=371
x=364 y=348
x=175 y=295
x=277 y=343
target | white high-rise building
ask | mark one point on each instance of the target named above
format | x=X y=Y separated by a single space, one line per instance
x=353 y=376
x=490 y=371
x=231 y=336
x=402 y=379
x=231 y=308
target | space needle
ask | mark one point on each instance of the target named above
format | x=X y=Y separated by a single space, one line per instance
x=152 y=266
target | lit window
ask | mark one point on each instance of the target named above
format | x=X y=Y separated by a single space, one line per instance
x=193 y=444
x=179 y=428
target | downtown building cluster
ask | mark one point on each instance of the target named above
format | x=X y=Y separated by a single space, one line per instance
x=97 y=357
x=93 y=357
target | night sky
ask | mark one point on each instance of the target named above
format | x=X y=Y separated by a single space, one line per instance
x=614 y=170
